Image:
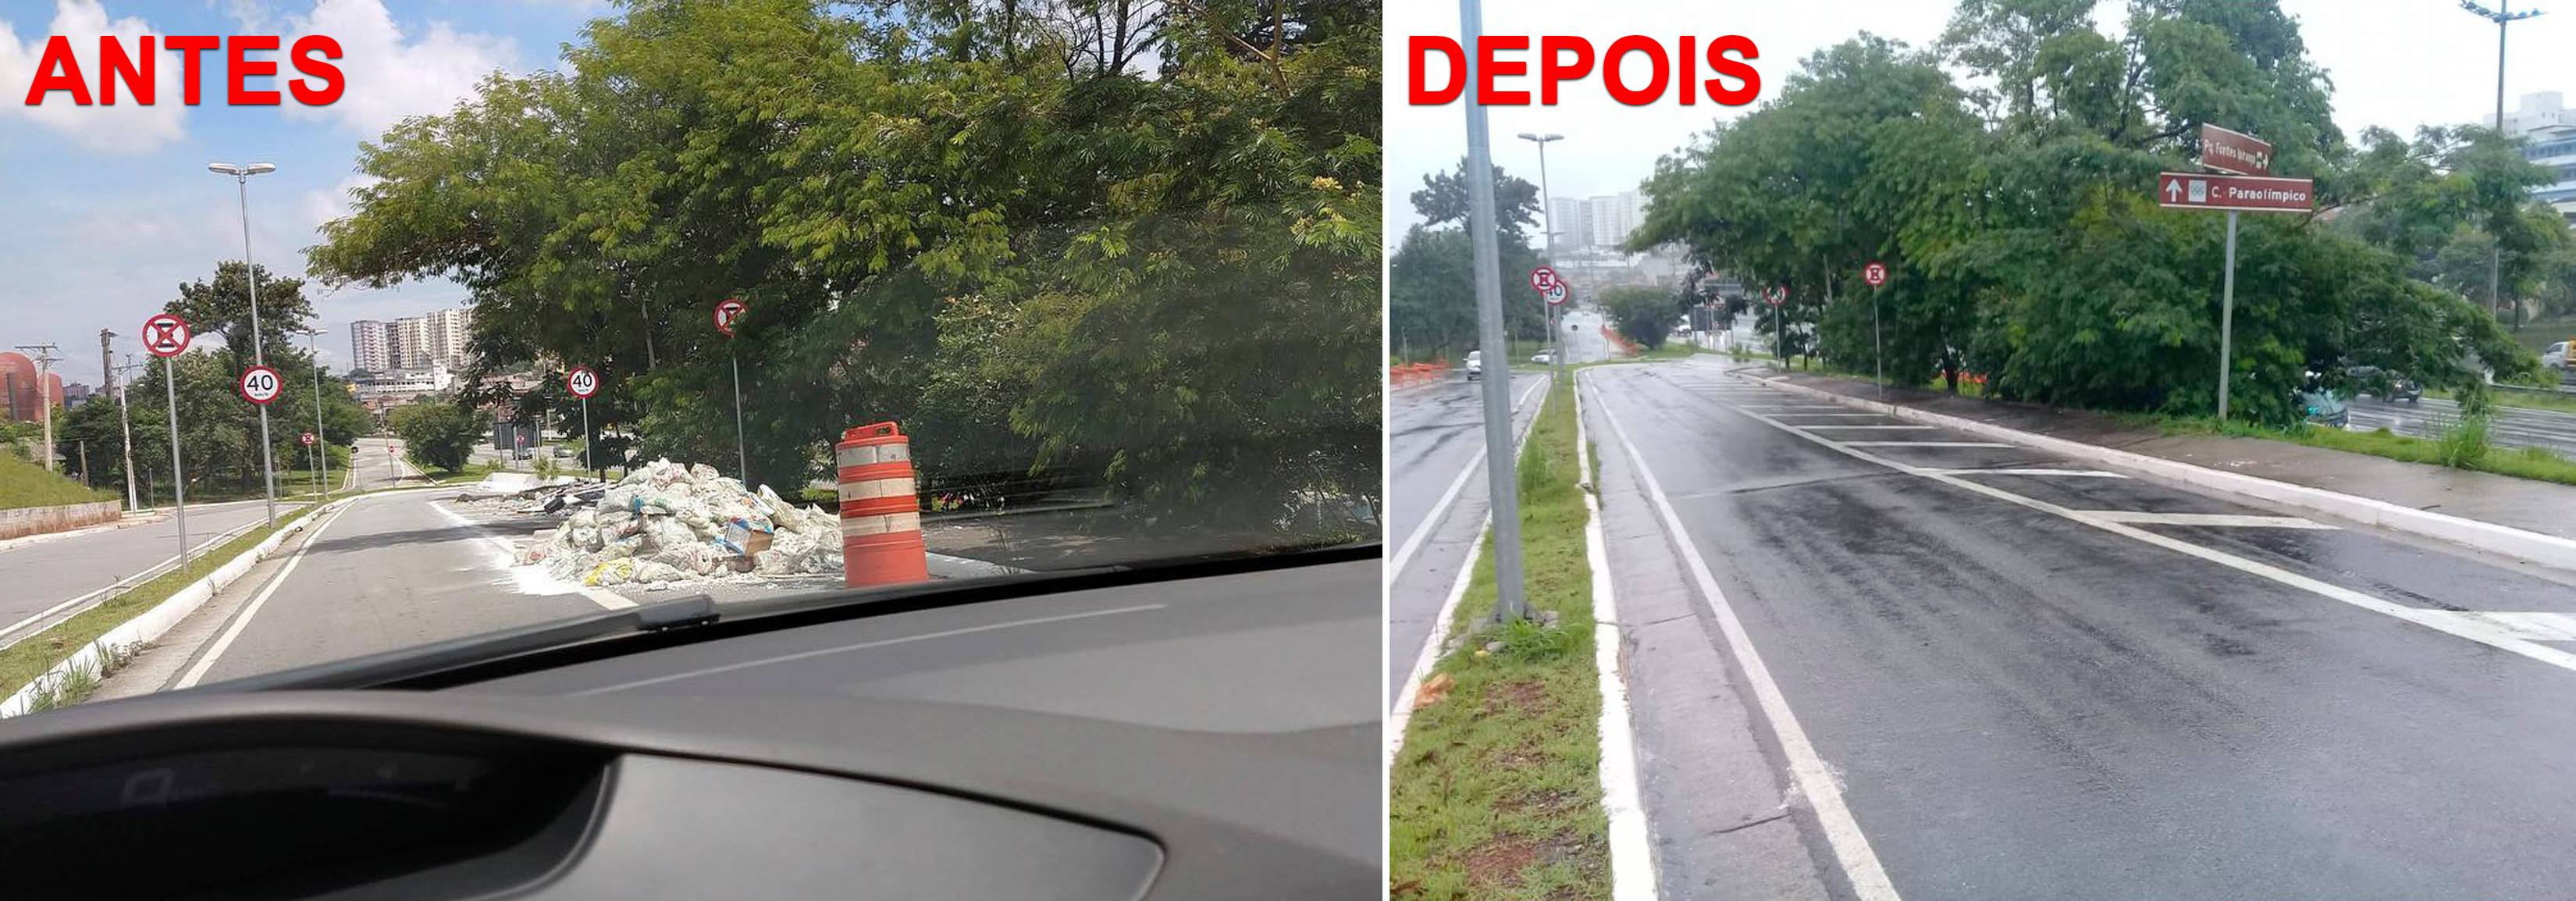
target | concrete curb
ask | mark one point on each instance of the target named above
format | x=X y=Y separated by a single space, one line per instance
x=2534 y=547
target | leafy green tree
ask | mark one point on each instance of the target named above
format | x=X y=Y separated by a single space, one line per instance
x=438 y=434
x=1643 y=314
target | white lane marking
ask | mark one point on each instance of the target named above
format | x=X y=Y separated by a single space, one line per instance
x=2530 y=626
x=1803 y=407
x=1826 y=415
x=1632 y=863
x=1921 y=427
x=532 y=579
x=1924 y=443
x=1815 y=779
x=864 y=645
x=2474 y=630
x=224 y=642
x=2145 y=518
x=1401 y=715
x=1421 y=531
x=2089 y=473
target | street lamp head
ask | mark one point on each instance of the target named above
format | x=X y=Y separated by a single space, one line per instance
x=241 y=171
x=223 y=168
x=260 y=168
x=1527 y=136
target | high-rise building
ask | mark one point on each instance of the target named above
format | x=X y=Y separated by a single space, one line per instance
x=2547 y=129
x=1587 y=222
x=412 y=343
x=1571 y=219
x=370 y=346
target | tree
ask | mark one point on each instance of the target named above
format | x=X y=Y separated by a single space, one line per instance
x=1643 y=314
x=1443 y=200
x=437 y=433
x=1171 y=277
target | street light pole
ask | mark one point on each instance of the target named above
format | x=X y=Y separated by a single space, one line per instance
x=1549 y=240
x=321 y=448
x=1501 y=481
x=259 y=353
x=2501 y=16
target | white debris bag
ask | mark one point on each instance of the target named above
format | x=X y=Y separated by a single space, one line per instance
x=665 y=522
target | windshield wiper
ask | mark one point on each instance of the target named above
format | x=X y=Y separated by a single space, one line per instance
x=676 y=613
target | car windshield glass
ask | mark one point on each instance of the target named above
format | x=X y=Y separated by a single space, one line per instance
x=748 y=300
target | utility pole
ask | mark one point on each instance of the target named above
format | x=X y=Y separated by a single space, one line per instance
x=1502 y=483
x=321 y=447
x=2501 y=16
x=124 y=421
x=1554 y=338
x=44 y=354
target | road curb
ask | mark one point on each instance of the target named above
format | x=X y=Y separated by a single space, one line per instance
x=152 y=624
x=1633 y=867
x=2532 y=547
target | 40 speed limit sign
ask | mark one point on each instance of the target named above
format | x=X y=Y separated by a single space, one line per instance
x=582 y=382
x=260 y=384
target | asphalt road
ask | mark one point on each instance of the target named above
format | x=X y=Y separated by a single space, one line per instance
x=46 y=572
x=2063 y=683
x=2427 y=418
x=1435 y=441
x=387 y=571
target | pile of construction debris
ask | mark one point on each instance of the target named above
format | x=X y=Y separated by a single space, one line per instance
x=666 y=522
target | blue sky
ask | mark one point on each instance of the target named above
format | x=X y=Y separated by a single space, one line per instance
x=107 y=211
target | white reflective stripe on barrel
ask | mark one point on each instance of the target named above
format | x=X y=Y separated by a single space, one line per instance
x=880 y=525
x=872 y=489
x=866 y=454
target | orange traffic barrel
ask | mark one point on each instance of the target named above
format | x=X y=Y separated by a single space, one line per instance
x=880 y=509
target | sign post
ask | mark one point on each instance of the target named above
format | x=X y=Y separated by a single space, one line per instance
x=727 y=311
x=2243 y=187
x=306 y=439
x=166 y=336
x=1778 y=295
x=1551 y=288
x=1876 y=274
x=583 y=383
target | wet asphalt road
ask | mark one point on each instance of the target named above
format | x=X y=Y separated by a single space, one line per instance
x=1435 y=434
x=2020 y=704
x=2513 y=427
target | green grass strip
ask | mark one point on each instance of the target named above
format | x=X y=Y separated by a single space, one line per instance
x=21 y=663
x=1497 y=792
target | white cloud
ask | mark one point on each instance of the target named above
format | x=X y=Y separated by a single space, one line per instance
x=324 y=205
x=390 y=75
x=128 y=127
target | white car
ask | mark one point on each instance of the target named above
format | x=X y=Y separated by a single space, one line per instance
x=1475 y=364
x=2555 y=357
x=1542 y=358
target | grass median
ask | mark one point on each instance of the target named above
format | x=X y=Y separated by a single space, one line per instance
x=22 y=662
x=1497 y=792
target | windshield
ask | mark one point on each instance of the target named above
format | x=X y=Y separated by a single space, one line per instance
x=744 y=300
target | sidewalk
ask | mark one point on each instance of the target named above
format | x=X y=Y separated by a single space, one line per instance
x=2544 y=507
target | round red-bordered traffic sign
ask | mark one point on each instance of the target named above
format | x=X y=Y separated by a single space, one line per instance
x=582 y=382
x=260 y=385
x=1875 y=273
x=728 y=310
x=1776 y=294
x=1543 y=278
x=1555 y=294
x=166 y=335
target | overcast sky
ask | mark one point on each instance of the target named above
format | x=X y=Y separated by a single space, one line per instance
x=2394 y=63
x=108 y=210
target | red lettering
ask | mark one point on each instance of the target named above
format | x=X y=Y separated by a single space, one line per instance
x=1689 y=82
x=1722 y=67
x=1417 y=49
x=239 y=68
x=1550 y=71
x=324 y=72
x=57 y=71
x=1487 y=67
x=1619 y=91
x=113 y=64
x=188 y=46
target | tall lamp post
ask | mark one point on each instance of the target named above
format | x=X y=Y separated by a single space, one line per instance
x=2501 y=17
x=259 y=354
x=1549 y=241
x=321 y=446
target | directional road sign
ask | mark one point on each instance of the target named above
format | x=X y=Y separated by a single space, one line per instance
x=728 y=310
x=1875 y=273
x=260 y=384
x=2233 y=152
x=1542 y=278
x=582 y=382
x=2243 y=193
x=165 y=335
